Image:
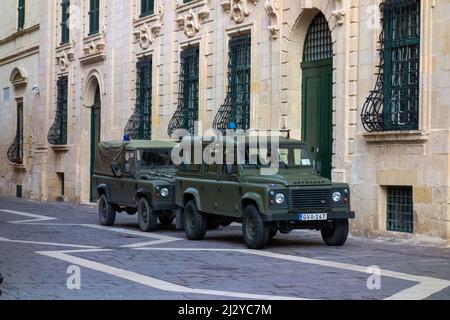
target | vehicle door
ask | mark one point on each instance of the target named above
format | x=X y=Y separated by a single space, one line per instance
x=228 y=190
x=128 y=183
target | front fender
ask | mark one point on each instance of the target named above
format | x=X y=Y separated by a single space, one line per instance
x=144 y=193
x=103 y=188
x=256 y=198
x=195 y=194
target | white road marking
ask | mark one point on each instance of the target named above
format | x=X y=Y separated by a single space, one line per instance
x=36 y=217
x=427 y=285
x=153 y=282
x=47 y=243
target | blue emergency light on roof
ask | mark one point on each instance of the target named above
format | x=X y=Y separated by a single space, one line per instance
x=232 y=125
x=126 y=137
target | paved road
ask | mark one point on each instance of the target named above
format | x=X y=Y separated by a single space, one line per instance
x=47 y=250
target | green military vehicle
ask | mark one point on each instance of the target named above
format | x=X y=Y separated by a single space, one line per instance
x=136 y=177
x=244 y=189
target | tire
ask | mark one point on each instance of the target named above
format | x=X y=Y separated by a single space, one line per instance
x=256 y=232
x=273 y=230
x=106 y=212
x=195 y=223
x=335 y=234
x=147 y=217
x=166 y=218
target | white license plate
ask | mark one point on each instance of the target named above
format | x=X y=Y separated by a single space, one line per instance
x=312 y=216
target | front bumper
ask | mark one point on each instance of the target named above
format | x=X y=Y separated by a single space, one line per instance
x=332 y=215
x=164 y=206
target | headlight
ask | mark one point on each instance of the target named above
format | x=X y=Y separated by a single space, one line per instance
x=336 y=196
x=164 y=192
x=279 y=198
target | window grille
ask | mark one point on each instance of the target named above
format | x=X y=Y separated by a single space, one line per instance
x=236 y=107
x=187 y=112
x=318 y=45
x=394 y=103
x=15 y=151
x=57 y=134
x=139 y=126
x=400 y=209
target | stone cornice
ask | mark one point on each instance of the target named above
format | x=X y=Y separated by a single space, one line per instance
x=19 y=55
x=18 y=34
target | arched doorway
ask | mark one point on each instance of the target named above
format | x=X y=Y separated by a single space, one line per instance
x=317 y=77
x=95 y=138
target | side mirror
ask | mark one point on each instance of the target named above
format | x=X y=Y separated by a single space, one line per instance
x=317 y=166
x=116 y=169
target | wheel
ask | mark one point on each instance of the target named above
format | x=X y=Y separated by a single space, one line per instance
x=273 y=230
x=335 y=234
x=195 y=224
x=255 y=230
x=106 y=212
x=147 y=218
x=167 y=218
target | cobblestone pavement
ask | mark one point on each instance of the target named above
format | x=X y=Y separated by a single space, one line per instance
x=42 y=243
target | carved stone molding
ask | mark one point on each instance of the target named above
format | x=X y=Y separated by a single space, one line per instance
x=272 y=8
x=339 y=12
x=237 y=9
x=148 y=29
x=94 y=49
x=339 y=15
x=65 y=56
x=191 y=21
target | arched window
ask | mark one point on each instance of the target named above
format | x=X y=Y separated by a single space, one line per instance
x=318 y=45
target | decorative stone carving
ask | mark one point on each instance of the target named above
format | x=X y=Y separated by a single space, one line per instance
x=237 y=9
x=94 y=49
x=191 y=21
x=272 y=8
x=148 y=29
x=339 y=15
x=143 y=36
x=339 y=12
x=65 y=57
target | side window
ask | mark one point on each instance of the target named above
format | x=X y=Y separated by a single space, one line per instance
x=189 y=160
x=129 y=163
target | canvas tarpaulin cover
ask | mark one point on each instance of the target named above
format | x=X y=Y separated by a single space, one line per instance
x=106 y=154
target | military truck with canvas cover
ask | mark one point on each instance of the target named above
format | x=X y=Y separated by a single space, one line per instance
x=247 y=190
x=135 y=177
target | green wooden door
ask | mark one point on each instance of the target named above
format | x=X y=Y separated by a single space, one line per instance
x=95 y=138
x=317 y=113
x=317 y=79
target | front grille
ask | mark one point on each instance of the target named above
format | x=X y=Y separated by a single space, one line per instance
x=317 y=200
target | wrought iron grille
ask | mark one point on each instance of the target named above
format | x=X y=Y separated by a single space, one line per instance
x=400 y=209
x=236 y=107
x=187 y=112
x=139 y=126
x=318 y=44
x=15 y=151
x=65 y=32
x=394 y=103
x=57 y=134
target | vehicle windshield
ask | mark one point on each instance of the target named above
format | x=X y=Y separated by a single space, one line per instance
x=284 y=156
x=152 y=158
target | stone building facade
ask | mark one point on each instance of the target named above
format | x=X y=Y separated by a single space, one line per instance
x=146 y=67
